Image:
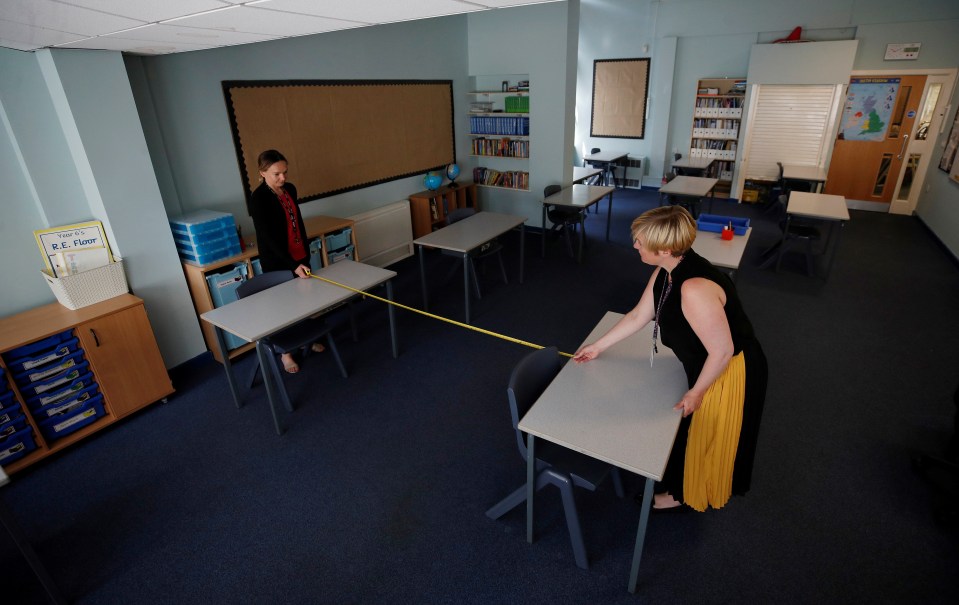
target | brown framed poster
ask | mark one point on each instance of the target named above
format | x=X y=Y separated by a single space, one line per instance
x=620 y=92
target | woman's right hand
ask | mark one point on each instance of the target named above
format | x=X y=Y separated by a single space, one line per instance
x=586 y=353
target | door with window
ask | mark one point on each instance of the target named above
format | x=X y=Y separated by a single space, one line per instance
x=877 y=123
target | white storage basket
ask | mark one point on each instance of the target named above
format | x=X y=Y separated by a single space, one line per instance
x=89 y=287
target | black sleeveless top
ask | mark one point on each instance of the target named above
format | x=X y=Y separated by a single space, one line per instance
x=675 y=331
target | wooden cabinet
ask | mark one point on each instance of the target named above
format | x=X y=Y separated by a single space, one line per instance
x=717 y=117
x=196 y=275
x=118 y=343
x=500 y=128
x=428 y=209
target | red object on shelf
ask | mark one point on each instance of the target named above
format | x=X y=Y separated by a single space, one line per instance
x=794 y=36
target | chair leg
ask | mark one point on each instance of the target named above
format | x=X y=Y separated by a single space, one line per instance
x=617 y=482
x=569 y=240
x=565 y=486
x=508 y=503
x=280 y=385
x=809 y=264
x=476 y=287
x=336 y=354
x=356 y=334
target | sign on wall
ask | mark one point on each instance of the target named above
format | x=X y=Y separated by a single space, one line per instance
x=619 y=98
x=869 y=105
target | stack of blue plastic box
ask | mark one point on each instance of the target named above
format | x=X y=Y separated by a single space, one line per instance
x=16 y=436
x=205 y=236
x=58 y=388
x=339 y=246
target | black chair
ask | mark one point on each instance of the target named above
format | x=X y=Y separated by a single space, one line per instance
x=555 y=464
x=794 y=231
x=564 y=218
x=489 y=249
x=298 y=337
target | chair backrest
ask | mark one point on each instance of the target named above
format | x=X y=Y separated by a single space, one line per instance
x=677 y=156
x=459 y=214
x=551 y=189
x=262 y=282
x=529 y=379
x=594 y=150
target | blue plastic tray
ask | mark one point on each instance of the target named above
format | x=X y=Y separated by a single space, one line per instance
x=16 y=446
x=17 y=355
x=61 y=393
x=75 y=419
x=202 y=221
x=716 y=222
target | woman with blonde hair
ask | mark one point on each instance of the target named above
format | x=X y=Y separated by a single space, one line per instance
x=696 y=311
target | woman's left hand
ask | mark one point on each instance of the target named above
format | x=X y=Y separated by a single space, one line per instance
x=302 y=271
x=689 y=403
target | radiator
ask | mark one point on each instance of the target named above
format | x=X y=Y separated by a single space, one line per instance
x=384 y=235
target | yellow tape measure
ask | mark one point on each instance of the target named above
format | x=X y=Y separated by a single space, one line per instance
x=449 y=321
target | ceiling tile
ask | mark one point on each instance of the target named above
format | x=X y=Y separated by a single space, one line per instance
x=139 y=47
x=272 y=23
x=372 y=11
x=28 y=37
x=189 y=35
x=149 y=11
x=62 y=17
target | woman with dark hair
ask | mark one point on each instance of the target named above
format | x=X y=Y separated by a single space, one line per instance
x=280 y=234
x=696 y=308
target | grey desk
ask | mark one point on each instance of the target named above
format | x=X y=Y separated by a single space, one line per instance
x=691 y=187
x=582 y=174
x=581 y=197
x=694 y=166
x=616 y=409
x=726 y=254
x=823 y=207
x=608 y=160
x=258 y=316
x=26 y=549
x=465 y=236
x=811 y=174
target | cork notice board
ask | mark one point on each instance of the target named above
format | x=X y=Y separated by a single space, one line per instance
x=341 y=135
x=619 y=98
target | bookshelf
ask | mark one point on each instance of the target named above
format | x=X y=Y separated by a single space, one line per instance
x=717 y=117
x=499 y=129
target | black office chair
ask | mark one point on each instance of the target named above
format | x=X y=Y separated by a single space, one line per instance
x=564 y=218
x=555 y=464
x=489 y=249
x=298 y=337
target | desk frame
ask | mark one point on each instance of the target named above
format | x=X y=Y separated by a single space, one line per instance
x=465 y=236
x=595 y=409
x=579 y=196
x=692 y=187
x=339 y=272
x=608 y=160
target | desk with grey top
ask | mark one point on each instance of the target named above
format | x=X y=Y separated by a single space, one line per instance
x=258 y=316
x=463 y=237
x=615 y=408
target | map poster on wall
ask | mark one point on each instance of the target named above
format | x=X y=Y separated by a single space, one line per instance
x=869 y=105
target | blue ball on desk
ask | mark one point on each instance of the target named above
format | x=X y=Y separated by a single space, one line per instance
x=432 y=181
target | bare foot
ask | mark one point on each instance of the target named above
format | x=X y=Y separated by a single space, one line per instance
x=317 y=348
x=665 y=500
x=289 y=364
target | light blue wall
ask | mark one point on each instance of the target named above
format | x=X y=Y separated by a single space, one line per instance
x=713 y=38
x=180 y=98
x=532 y=41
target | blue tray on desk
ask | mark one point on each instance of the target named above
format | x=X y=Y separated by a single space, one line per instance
x=716 y=222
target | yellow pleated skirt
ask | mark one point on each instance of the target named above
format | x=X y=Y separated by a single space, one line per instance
x=714 y=438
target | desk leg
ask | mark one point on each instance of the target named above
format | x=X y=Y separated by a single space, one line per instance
x=228 y=366
x=522 y=250
x=641 y=535
x=609 y=213
x=392 y=316
x=832 y=246
x=422 y=252
x=543 y=251
x=466 y=284
x=530 y=484
x=269 y=382
x=712 y=196
x=13 y=528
